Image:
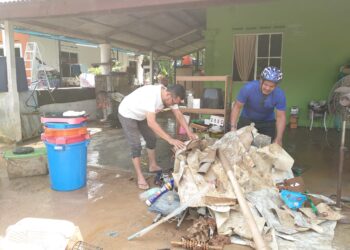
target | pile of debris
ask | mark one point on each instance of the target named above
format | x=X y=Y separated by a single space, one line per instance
x=262 y=170
x=243 y=191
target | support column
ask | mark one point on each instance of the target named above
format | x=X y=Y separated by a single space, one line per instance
x=140 y=71
x=151 y=67
x=10 y=122
x=105 y=52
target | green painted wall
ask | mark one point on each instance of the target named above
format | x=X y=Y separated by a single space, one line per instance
x=316 y=42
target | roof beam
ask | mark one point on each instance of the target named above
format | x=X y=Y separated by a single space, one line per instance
x=137 y=21
x=87 y=36
x=177 y=19
x=115 y=27
x=169 y=52
x=176 y=37
x=34 y=9
x=193 y=18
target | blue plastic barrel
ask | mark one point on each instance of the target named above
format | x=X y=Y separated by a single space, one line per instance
x=67 y=165
x=62 y=125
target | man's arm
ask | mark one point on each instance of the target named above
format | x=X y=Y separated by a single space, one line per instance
x=153 y=124
x=235 y=114
x=183 y=123
x=280 y=126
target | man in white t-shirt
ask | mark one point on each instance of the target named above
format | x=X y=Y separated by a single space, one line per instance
x=137 y=115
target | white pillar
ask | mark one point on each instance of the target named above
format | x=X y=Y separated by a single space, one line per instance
x=105 y=52
x=151 y=66
x=140 y=70
x=11 y=125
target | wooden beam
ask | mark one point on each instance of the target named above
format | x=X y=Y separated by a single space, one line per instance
x=202 y=111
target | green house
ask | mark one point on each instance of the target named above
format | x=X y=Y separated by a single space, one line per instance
x=309 y=40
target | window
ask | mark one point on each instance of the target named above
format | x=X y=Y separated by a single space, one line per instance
x=69 y=64
x=262 y=49
x=18 y=50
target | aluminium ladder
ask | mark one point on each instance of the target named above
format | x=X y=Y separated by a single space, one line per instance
x=35 y=67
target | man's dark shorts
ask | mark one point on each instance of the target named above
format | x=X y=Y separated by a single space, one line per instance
x=264 y=127
x=133 y=129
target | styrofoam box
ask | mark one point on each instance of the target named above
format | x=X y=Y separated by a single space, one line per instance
x=39 y=234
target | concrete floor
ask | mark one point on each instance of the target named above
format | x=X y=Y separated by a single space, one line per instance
x=108 y=209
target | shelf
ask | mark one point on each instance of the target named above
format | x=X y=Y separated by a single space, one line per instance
x=226 y=80
x=203 y=111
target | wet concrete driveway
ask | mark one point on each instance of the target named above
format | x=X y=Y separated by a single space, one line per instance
x=108 y=209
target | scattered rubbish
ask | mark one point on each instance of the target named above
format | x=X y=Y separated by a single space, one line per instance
x=166 y=204
x=193 y=244
x=40 y=233
x=202 y=230
x=165 y=188
x=112 y=234
x=297 y=170
x=81 y=245
x=117 y=175
x=293 y=200
x=295 y=184
x=148 y=193
x=194 y=199
x=158 y=178
x=261 y=172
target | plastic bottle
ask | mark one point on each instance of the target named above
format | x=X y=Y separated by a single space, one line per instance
x=165 y=188
x=190 y=101
x=148 y=193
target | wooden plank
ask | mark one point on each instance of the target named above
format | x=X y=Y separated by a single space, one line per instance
x=203 y=111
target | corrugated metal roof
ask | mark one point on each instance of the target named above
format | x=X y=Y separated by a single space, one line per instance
x=14 y=1
x=170 y=28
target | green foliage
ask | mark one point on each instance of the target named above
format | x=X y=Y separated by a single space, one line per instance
x=166 y=68
x=95 y=70
x=117 y=66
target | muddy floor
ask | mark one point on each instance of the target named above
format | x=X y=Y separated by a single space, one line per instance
x=108 y=209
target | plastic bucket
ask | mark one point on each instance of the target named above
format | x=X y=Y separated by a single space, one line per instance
x=62 y=125
x=71 y=120
x=52 y=132
x=67 y=165
x=65 y=139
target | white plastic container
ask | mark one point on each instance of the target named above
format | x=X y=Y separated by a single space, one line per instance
x=196 y=103
x=190 y=101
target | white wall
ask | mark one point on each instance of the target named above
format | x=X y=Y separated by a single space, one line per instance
x=89 y=106
x=86 y=55
x=48 y=49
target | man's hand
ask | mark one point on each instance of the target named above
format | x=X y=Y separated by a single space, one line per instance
x=176 y=143
x=192 y=136
x=278 y=141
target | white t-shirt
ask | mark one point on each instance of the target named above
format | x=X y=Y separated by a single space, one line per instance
x=141 y=101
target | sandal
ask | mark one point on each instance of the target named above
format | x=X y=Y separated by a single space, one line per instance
x=143 y=186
